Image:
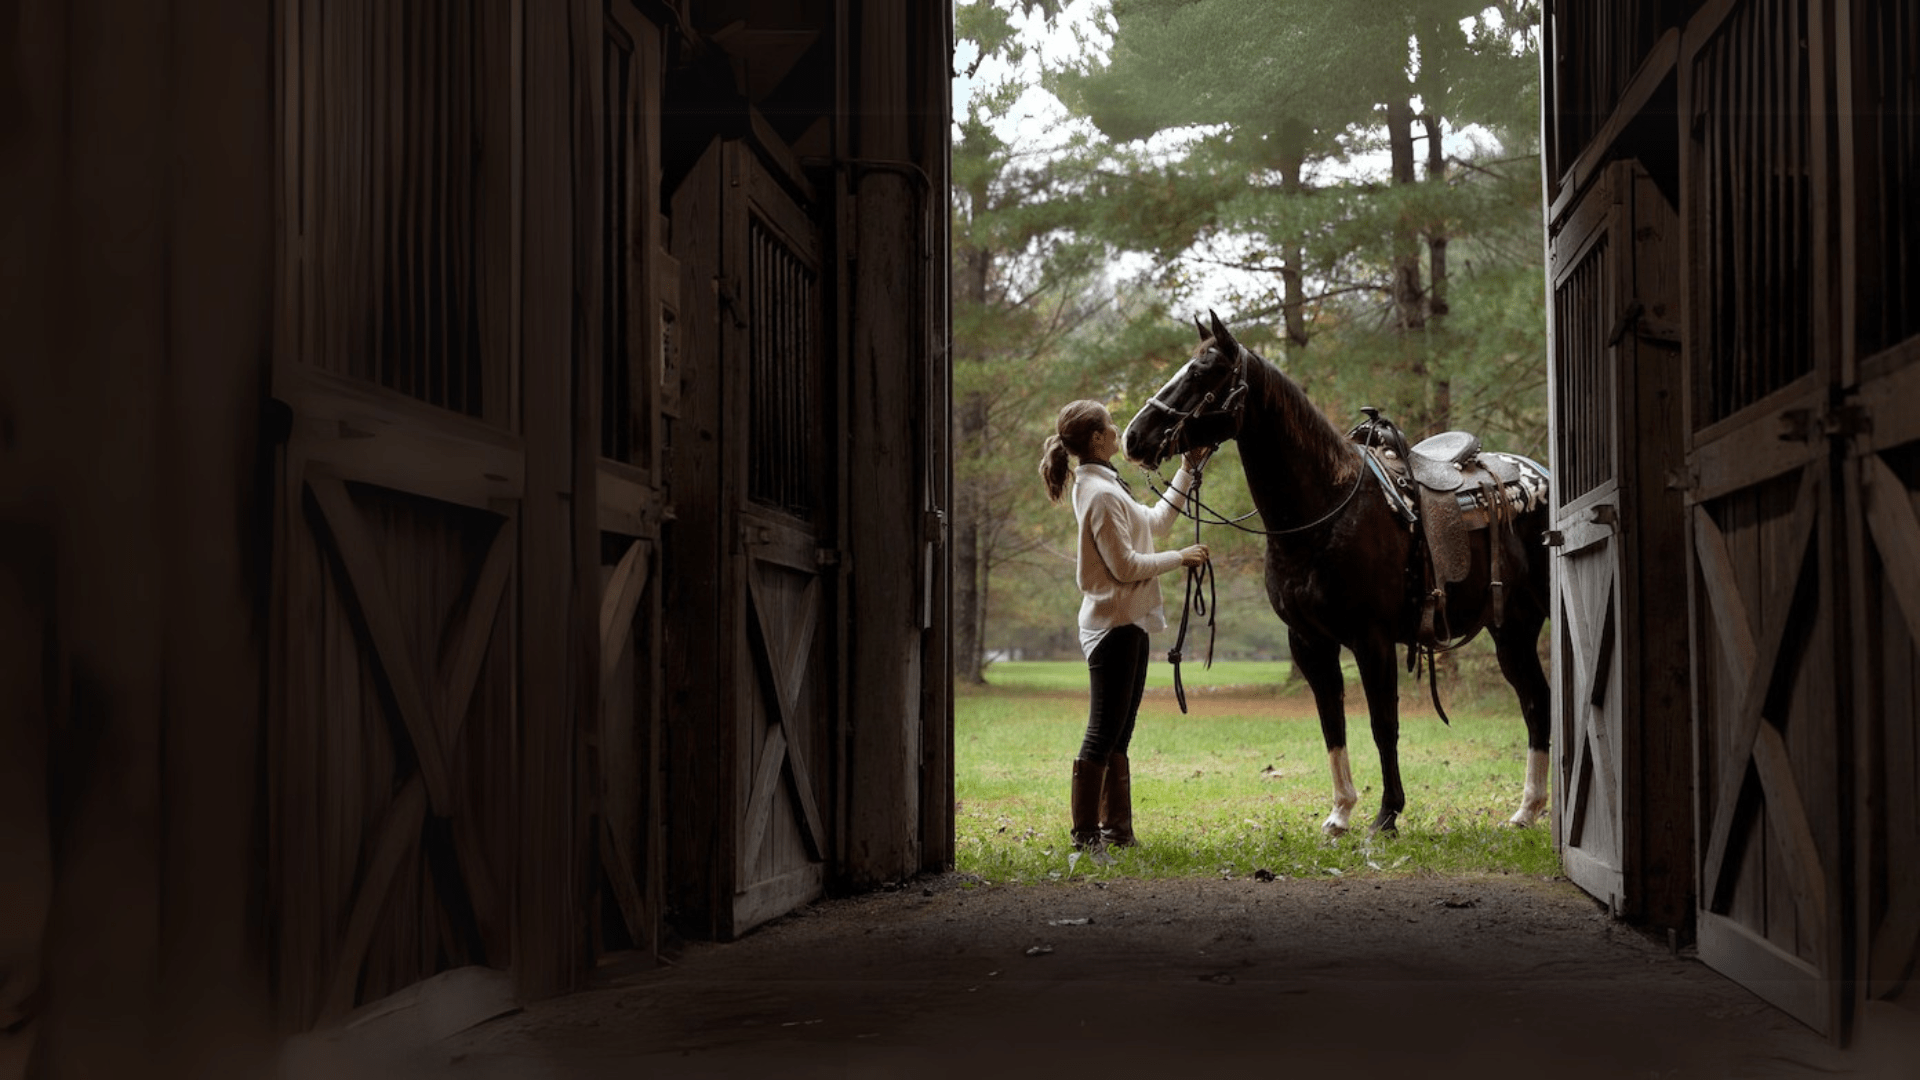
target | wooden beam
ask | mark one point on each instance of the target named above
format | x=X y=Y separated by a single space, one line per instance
x=397 y=835
x=1786 y=600
x=367 y=582
x=617 y=605
x=548 y=940
x=1733 y=626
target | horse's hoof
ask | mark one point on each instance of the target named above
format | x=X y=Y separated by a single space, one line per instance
x=1333 y=831
x=1385 y=823
x=1389 y=831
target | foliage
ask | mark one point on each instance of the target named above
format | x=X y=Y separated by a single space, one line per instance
x=1239 y=786
x=1255 y=156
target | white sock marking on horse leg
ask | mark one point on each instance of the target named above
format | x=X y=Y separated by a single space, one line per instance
x=1345 y=795
x=1533 y=798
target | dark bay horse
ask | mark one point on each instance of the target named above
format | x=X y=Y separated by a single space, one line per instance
x=1340 y=558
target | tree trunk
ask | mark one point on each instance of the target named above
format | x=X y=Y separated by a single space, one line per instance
x=1293 y=157
x=1409 y=301
x=1436 y=231
x=970 y=415
x=1442 y=397
x=969 y=572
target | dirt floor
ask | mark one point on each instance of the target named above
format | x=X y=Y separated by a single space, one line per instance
x=1364 y=976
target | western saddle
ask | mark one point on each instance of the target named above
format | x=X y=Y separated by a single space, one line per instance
x=1445 y=490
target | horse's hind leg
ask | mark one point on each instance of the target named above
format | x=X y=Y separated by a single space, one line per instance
x=1319 y=661
x=1517 y=644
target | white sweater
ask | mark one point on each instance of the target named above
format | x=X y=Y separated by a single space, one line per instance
x=1117 y=568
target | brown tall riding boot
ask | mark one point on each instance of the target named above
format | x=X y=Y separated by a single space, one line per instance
x=1116 y=803
x=1084 y=801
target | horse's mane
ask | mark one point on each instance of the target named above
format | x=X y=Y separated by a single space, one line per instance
x=1284 y=404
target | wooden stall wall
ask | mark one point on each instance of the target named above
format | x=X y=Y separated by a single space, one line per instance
x=1621 y=821
x=1881 y=362
x=136 y=165
x=1764 y=513
x=404 y=562
x=1785 y=133
x=632 y=279
x=809 y=727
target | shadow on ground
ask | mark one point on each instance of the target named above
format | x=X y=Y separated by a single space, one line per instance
x=1421 y=976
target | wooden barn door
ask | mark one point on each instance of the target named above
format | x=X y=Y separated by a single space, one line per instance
x=1764 y=599
x=1620 y=815
x=399 y=488
x=637 y=283
x=1588 y=296
x=755 y=501
x=1882 y=414
x=781 y=397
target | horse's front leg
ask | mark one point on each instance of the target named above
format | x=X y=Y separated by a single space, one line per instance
x=1381 y=680
x=1319 y=661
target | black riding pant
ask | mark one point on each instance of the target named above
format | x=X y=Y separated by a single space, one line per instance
x=1118 y=673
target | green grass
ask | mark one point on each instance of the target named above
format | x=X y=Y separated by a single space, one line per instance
x=1237 y=785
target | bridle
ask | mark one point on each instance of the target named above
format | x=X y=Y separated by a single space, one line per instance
x=1233 y=406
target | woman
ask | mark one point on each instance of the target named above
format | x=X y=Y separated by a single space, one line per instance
x=1118 y=572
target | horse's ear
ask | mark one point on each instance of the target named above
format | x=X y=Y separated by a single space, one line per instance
x=1199 y=327
x=1222 y=340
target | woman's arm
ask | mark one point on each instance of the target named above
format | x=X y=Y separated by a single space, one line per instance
x=1107 y=521
x=1163 y=513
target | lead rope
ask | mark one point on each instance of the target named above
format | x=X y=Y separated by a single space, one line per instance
x=1195 y=603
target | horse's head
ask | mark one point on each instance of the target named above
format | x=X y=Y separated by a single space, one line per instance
x=1200 y=406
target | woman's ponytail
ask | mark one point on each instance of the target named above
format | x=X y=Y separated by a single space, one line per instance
x=1053 y=467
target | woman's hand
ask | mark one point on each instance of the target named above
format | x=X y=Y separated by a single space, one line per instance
x=1194 y=555
x=1197 y=457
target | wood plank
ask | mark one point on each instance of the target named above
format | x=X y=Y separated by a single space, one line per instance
x=1748 y=448
x=618 y=868
x=549 y=941
x=1602 y=880
x=1895 y=943
x=618 y=604
x=1787 y=815
x=368 y=582
x=629 y=506
x=1786 y=981
x=1605 y=647
x=397 y=836
x=759 y=805
x=1725 y=603
x=775 y=896
x=1579 y=793
x=1784 y=597
x=1896 y=533
x=482 y=616
x=789 y=668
